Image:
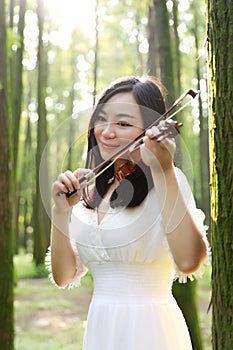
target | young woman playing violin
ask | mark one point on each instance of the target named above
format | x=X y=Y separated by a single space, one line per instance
x=135 y=227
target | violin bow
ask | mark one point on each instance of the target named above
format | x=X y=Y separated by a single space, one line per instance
x=132 y=145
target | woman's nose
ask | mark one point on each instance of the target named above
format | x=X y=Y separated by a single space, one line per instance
x=109 y=131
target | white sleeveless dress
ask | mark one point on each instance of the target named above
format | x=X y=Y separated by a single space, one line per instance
x=133 y=270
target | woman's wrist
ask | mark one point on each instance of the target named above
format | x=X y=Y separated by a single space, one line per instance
x=61 y=219
x=163 y=174
x=56 y=211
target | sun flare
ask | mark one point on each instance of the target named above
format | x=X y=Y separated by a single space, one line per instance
x=70 y=14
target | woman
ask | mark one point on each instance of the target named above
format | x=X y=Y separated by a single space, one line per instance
x=136 y=228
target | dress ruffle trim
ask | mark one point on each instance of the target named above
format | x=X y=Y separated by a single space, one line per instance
x=81 y=270
x=181 y=277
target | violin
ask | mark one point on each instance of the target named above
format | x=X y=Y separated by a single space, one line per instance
x=168 y=128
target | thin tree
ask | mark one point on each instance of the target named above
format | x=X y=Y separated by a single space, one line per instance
x=96 y=62
x=41 y=219
x=153 y=57
x=16 y=80
x=177 y=65
x=165 y=47
x=6 y=240
x=203 y=120
x=220 y=63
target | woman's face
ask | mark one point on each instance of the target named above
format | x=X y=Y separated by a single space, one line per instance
x=118 y=122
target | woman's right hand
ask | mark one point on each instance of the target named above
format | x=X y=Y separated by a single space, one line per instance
x=68 y=182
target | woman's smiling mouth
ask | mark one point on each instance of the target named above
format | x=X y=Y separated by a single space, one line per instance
x=108 y=146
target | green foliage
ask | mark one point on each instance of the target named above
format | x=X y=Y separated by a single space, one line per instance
x=14 y=40
x=25 y=267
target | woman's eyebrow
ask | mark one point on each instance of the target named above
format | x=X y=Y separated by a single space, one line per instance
x=119 y=115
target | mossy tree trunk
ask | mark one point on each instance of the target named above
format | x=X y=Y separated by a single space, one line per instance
x=6 y=239
x=220 y=62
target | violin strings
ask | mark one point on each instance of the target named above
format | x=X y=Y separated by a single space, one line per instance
x=106 y=167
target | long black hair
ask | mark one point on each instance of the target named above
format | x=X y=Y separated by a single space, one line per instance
x=150 y=95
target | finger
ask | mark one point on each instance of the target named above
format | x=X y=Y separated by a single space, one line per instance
x=169 y=145
x=58 y=189
x=68 y=180
x=153 y=132
x=73 y=179
x=83 y=175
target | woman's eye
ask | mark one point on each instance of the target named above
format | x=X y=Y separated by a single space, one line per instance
x=123 y=123
x=100 y=119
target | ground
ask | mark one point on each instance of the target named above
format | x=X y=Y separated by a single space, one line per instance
x=48 y=318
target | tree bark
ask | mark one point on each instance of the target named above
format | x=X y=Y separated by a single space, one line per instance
x=41 y=224
x=203 y=120
x=220 y=63
x=6 y=237
x=153 y=55
x=17 y=82
x=165 y=51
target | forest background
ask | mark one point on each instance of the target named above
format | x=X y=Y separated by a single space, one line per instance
x=56 y=57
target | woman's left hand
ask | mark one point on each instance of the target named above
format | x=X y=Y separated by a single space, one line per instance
x=158 y=154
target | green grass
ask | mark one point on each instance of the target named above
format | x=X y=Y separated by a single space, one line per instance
x=48 y=318
x=25 y=268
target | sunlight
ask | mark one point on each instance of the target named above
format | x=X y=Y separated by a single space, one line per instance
x=71 y=14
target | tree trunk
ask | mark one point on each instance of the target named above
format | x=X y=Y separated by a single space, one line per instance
x=153 y=56
x=26 y=187
x=16 y=105
x=203 y=135
x=6 y=239
x=220 y=62
x=186 y=296
x=17 y=82
x=41 y=224
x=176 y=47
x=96 y=63
x=165 y=51
x=70 y=108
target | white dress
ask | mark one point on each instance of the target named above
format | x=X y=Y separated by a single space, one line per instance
x=133 y=270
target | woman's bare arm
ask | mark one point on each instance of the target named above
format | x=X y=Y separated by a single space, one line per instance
x=63 y=258
x=183 y=235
